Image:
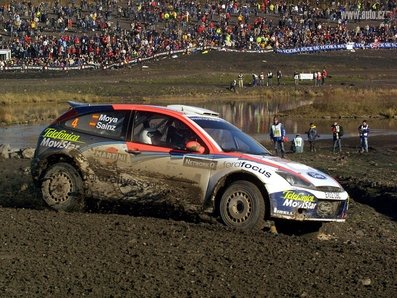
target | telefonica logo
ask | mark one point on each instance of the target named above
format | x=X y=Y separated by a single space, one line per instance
x=52 y=133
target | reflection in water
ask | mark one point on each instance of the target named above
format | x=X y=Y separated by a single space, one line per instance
x=255 y=118
x=20 y=136
x=252 y=117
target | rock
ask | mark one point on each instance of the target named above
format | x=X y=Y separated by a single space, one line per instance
x=360 y=233
x=366 y=281
x=24 y=187
x=5 y=151
x=28 y=153
x=15 y=155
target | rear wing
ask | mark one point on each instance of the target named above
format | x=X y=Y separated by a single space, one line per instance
x=75 y=104
x=190 y=110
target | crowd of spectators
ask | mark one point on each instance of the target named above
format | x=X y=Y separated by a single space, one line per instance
x=108 y=32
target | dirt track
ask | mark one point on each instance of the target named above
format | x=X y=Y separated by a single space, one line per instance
x=45 y=254
x=114 y=251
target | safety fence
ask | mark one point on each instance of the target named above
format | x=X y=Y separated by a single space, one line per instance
x=174 y=54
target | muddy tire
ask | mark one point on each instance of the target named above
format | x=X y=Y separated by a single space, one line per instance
x=62 y=188
x=242 y=206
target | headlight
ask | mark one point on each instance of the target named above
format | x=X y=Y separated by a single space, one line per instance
x=295 y=180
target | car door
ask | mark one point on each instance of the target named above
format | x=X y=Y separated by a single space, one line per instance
x=160 y=168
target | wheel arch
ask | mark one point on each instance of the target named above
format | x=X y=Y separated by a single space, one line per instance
x=74 y=159
x=223 y=184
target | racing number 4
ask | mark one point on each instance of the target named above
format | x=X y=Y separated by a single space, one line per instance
x=75 y=123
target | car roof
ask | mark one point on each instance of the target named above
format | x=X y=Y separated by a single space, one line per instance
x=179 y=109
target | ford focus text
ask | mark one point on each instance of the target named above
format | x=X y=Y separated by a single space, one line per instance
x=186 y=155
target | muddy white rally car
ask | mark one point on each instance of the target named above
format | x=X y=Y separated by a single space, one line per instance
x=187 y=155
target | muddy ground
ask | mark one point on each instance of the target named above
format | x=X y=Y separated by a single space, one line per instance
x=113 y=250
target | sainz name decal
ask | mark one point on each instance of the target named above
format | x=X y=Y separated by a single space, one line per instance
x=104 y=122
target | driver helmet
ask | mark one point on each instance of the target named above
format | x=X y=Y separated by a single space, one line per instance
x=150 y=136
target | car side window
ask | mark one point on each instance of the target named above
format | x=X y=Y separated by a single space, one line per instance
x=161 y=130
x=106 y=123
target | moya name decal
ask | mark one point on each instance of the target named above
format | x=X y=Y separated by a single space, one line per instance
x=104 y=122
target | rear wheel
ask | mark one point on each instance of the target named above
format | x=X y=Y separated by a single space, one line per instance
x=242 y=206
x=62 y=188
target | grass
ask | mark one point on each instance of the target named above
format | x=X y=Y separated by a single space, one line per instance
x=17 y=107
x=39 y=97
x=342 y=102
x=193 y=80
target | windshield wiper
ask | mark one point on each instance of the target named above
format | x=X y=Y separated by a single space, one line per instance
x=246 y=152
x=230 y=150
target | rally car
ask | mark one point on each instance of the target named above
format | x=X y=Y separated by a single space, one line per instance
x=187 y=155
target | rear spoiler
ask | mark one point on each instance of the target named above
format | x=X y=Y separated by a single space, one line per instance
x=75 y=104
x=193 y=110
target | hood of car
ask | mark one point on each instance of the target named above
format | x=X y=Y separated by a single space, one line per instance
x=316 y=177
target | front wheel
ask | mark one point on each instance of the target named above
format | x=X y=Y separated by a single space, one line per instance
x=62 y=188
x=242 y=206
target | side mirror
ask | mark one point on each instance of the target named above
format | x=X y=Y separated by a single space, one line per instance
x=194 y=146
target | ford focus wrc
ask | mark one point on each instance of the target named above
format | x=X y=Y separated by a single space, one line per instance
x=186 y=155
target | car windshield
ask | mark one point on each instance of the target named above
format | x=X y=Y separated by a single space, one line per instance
x=229 y=137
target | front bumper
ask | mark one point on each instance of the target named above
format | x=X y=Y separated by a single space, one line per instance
x=303 y=205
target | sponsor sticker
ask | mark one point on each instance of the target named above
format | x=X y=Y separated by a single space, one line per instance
x=110 y=153
x=53 y=133
x=59 y=144
x=200 y=163
x=248 y=166
x=103 y=121
x=298 y=200
x=282 y=212
x=60 y=139
x=291 y=200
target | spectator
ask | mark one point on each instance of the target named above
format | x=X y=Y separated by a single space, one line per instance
x=277 y=135
x=262 y=79
x=157 y=27
x=319 y=78
x=269 y=78
x=324 y=75
x=233 y=86
x=240 y=80
x=279 y=75
x=312 y=135
x=296 y=78
x=363 y=131
x=254 y=80
x=337 y=133
x=297 y=144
